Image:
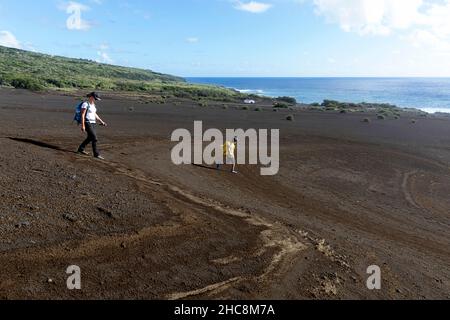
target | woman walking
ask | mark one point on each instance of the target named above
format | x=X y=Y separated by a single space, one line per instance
x=89 y=118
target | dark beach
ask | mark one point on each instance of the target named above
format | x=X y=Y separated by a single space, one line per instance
x=349 y=194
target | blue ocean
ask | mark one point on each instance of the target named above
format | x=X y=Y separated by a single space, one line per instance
x=428 y=94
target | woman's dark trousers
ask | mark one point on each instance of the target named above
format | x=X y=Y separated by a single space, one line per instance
x=91 y=138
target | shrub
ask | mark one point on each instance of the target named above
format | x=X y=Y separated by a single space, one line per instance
x=289 y=100
x=129 y=86
x=55 y=82
x=27 y=83
x=281 y=105
x=330 y=104
x=386 y=113
x=315 y=104
x=183 y=94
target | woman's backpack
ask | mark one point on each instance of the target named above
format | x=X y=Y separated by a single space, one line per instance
x=78 y=111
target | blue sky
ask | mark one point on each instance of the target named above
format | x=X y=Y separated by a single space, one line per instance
x=240 y=38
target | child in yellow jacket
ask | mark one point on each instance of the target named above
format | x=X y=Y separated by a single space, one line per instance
x=229 y=150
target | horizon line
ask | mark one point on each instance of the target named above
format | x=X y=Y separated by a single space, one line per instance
x=319 y=77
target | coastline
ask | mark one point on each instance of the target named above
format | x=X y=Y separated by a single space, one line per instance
x=310 y=90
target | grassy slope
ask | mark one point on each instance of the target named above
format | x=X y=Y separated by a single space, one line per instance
x=35 y=71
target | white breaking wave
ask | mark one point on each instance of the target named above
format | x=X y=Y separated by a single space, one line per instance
x=257 y=91
x=435 y=110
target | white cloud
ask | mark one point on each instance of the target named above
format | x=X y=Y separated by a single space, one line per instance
x=75 y=21
x=7 y=39
x=192 y=40
x=425 y=23
x=103 y=57
x=378 y=17
x=252 y=6
x=435 y=23
x=102 y=54
x=430 y=40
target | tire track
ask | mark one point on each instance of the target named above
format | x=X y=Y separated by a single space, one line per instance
x=405 y=187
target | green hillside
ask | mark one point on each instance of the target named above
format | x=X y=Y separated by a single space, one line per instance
x=35 y=71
